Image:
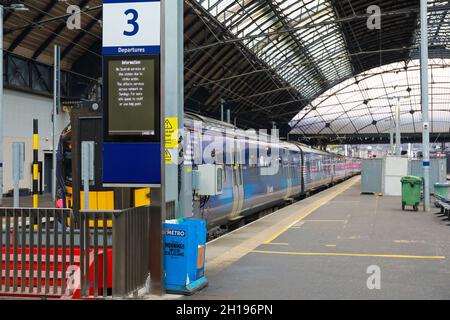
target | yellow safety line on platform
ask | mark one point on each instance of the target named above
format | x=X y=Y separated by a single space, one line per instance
x=343 y=221
x=329 y=254
x=324 y=201
x=234 y=253
x=278 y=244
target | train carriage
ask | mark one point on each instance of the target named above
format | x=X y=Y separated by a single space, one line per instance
x=251 y=181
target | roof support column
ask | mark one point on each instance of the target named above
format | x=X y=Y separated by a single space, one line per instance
x=398 y=134
x=173 y=82
x=424 y=94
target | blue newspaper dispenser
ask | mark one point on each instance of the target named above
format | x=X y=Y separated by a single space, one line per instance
x=184 y=256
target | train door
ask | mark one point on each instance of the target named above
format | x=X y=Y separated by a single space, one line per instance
x=302 y=171
x=237 y=182
x=288 y=171
x=197 y=159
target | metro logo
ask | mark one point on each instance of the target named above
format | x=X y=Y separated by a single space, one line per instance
x=175 y=233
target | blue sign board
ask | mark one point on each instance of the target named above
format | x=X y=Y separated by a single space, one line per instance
x=131 y=27
x=132 y=136
x=131 y=163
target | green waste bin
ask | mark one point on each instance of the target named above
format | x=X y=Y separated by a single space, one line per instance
x=411 y=191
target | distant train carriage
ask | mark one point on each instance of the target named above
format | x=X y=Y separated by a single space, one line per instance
x=251 y=185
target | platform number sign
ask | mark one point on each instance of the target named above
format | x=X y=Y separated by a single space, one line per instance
x=131 y=27
x=133 y=22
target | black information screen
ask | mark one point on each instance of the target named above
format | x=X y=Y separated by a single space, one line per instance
x=132 y=95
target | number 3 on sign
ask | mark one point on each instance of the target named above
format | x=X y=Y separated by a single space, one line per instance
x=132 y=22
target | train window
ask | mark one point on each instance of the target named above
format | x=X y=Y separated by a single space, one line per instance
x=219 y=180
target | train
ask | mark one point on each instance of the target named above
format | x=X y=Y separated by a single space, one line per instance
x=247 y=178
x=249 y=186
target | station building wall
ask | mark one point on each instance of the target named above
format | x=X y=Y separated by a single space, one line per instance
x=19 y=111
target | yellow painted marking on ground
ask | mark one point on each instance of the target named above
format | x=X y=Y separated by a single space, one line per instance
x=331 y=254
x=409 y=241
x=326 y=221
x=324 y=201
x=278 y=244
x=339 y=201
x=349 y=238
x=330 y=245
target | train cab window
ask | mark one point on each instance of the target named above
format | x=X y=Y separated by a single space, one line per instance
x=67 y=163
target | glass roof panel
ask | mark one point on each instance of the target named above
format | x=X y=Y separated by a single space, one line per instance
x=303 y=34
x=368 y=105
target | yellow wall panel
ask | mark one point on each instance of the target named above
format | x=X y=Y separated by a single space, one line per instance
x=141 y=198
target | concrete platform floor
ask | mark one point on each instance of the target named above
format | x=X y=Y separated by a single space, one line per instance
x=322 y=248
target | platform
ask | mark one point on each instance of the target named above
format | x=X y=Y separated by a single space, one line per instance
x=321 y=248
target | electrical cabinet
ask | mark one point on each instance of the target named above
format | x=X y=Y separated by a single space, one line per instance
x=209 y=180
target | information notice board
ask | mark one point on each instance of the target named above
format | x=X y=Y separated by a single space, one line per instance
x=132 y=111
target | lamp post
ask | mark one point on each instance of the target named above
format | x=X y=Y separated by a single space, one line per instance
x=424 y=94
x=398 y=134
x=14 y=7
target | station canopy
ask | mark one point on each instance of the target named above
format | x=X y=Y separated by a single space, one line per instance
x=344 y=78
x=301 y=64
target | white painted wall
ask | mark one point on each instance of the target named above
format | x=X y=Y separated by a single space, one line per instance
x=19 y=111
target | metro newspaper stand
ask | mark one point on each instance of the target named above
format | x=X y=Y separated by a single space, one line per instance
x=133 y=140
x=184 y=256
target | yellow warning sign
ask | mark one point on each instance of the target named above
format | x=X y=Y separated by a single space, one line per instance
x=171 y=135
x=168 y=157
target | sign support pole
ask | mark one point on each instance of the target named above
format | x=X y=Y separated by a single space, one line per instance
x=172 y=46
x=56 y=107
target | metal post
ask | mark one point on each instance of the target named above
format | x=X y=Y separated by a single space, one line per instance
x=35 y=163
x=398 y=135
x=169 y=172
x=229 y=116
x=1 y=104
x=56 y=104
x=87 y=168
x=222 y=117
x=392 y=137
x=18 y=163
x=424 y=94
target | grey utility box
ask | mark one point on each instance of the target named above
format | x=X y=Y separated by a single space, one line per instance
x=438 y=170
x=372 y=176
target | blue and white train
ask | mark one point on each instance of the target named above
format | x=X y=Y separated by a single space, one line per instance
x=244 y=182
x=248 y=187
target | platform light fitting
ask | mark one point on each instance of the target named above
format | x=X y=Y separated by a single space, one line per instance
x=18 y=7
